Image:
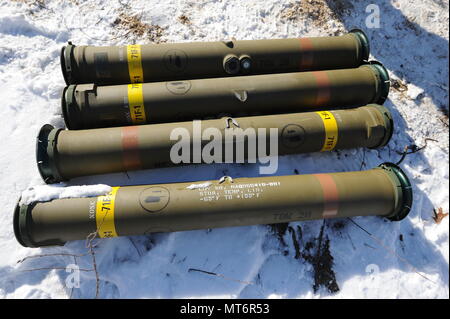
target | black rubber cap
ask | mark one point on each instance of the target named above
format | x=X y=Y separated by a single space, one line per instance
x=406 y=199
x=45 y=154
x=364 y=41
x=384 y=82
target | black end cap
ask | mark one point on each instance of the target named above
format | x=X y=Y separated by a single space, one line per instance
x=384 y=82
x=406 y=189
x=45 y=143
x=21 y=221
x=364 y=41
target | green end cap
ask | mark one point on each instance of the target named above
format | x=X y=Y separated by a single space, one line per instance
x=384 y=82
x=364 y=41
x=66 y=63
x=388 y=123
x=20 y=222
x=70 y=111
x=405 y=193
x=45 y=153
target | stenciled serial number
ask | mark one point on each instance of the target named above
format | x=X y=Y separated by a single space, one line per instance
x=238 y=191
x=292 y=215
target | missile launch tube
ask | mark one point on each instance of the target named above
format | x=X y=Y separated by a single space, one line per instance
x=134 y=210
x=181 y=61
x=89 y=106
x=65 y=154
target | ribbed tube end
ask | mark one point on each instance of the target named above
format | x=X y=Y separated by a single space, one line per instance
x=45 y=154
x=405 y=194
x=364 y=41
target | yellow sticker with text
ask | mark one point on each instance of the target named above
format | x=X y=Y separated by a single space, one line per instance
x=134 y=58
x=136 y=104
x=104 y=214
x=331 y=130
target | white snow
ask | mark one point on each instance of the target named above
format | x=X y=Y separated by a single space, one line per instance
x=412 y=43
x=49 y=192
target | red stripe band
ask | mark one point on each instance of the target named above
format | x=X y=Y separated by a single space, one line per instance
x=307 y=56
x=323 y=88
x=130 y=147
x=330 y=195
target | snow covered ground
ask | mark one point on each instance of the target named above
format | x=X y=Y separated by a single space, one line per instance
x=409 y=259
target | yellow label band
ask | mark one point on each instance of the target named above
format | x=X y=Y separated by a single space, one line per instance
x=331 y=130
x=136 y=104
x=104 y=214
x=135 y=63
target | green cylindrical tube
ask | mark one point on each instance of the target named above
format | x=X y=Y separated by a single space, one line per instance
x=90 y=106
x=180 y=61
x=64 y=154
x=134 y=210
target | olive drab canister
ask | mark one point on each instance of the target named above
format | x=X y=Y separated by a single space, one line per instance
x=65 y=154
x=180 y=61
x=90 y=106
x=134 y=210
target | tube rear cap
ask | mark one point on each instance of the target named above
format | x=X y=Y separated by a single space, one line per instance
x=66 y=63
x=405 y=202
x=364 y=41
x=45 y=154
x=22 y=222
x=388 y=123
x=384 y=82
x=71 y=113
x=21 y=213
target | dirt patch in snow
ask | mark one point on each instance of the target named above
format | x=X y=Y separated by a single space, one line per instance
x=319 y=12
x=322 y=262
x=133 y=25
x=279 y=230
x=315 y=251
x=184 y=20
